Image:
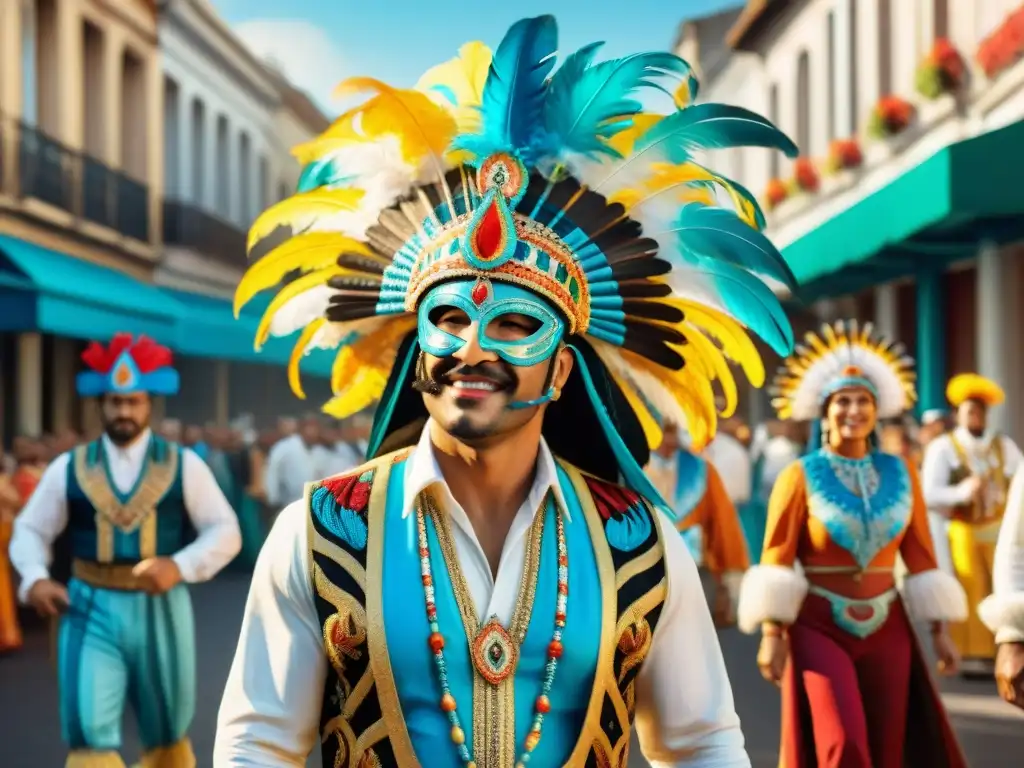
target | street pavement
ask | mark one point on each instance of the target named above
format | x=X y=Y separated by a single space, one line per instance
x=992 y=732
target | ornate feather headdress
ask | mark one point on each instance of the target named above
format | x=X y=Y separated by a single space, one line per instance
x=502 y=168
x=127 y=365
x=844 y=355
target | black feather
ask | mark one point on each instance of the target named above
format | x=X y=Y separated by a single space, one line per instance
x=639 y=267
x=348 y=309
x=644 y=289
x=654 y=350
x=652 y=310
x=360 y=263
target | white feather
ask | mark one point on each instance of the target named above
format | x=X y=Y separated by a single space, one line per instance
x=892 y=399
x=299 y=311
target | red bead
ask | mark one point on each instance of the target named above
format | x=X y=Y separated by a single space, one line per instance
x=563 y=588
x=563 y=560
x=560 y=617
x=436 y=641
x=424 y=552
x=479 y=294
x=543 y=704
x=448 y=703
x=555 y=649
x=427 y=580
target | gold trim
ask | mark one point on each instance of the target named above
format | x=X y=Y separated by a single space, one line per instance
x=380 y=660
x=138 y=512
x=87 y=758
x=494 y=742
x=642 y=606
x=604 y=679
x=645 y=562
x=117 y=576
x=177 y=755
x=332 y=551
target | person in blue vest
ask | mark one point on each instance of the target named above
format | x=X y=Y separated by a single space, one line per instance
x=501 y=584
x=143 y=517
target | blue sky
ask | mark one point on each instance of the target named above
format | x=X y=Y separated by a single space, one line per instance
x=318 y=43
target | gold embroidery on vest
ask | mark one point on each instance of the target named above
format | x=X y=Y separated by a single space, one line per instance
x=344 y=634
x=592 y=735
x=380 y=660
x=137 y=513
x=494 y=737
x=993 y=458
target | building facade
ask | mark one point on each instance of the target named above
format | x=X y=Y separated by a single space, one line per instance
x=138 y=141
x=904 y=207
x=80 y=175
x=224 y=155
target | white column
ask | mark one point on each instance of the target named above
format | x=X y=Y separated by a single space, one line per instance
x=886 y=315
x=992 y=338
x=185 y=189
x=29 y=392
x=908 y=35
x=212 y=169
x=818 y=89
x=866 y=13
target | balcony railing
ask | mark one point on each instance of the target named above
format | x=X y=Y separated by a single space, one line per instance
x=36 y=166
x=190 y=227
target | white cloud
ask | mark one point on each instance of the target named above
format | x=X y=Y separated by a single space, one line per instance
x=301 y=51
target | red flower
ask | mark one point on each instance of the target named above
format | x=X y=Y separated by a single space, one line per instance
x=805 y=174
x=944 y=56
x=894 y=113
x=775 y=193
x=845 y=153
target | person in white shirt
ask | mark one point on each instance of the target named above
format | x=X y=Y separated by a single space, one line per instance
x=501 y=583
x=1003 y=610
x=965 y=478
x=294 y=461
x=129 y=502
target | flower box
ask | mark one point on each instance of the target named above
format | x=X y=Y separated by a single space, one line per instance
x=1001 y=50
x=892 y=115
x=843 y=154
x=942 y=71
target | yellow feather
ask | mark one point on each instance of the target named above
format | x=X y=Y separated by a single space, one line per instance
x=463 y=77
x=298 y=351
x=360 y=370
x=692 y=392
x=623 y=141
x=665 y=175
x=718 y=367
x=298 y=212
x=424 y=128
x=729 y=333
x=314 y=250
x=682 y=96
x=289 y=292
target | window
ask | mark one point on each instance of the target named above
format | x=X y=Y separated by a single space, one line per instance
x=172 y=139
x=884 y=47
x=773 y=115
x=854 y=82
x=264 y=184
x=223 y=168
x=833 y=86
x=282 y=190
x=803 y=103
x=245 y=178
x=198 y=127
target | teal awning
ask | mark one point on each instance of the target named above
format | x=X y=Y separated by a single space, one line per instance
x=208 y=328
x=942 y=210
x=43 y=290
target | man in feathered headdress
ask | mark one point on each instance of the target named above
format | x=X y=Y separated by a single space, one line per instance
x=509 y=257
x=966 y=474
x=129 y=501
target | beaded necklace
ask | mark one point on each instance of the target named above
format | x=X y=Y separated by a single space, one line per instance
x=503 y=646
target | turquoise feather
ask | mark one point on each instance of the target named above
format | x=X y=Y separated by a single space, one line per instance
x=322 y=173
x=710 y=126
x=344 y=523
x=589 y=103
x=513 y=99
x=629 y=531
x=720 y=233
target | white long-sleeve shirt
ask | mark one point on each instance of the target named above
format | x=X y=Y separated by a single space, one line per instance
x=290 y=465
x=1003 y=611
x=732 y=461
x=45 y=516
x=940 y=459
x=270 y=712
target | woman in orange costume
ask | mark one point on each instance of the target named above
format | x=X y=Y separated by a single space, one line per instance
x=856 y=690
x=10 y=630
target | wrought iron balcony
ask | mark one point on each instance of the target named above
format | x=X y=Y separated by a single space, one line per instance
x=190 y=227
x=35 y=166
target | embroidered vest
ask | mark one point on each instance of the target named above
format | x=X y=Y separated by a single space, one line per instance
x=108 y=526
x=864 y=504
x=992 y=468
x=381 y=702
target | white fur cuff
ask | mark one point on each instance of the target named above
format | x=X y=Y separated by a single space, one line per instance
x=770 y=593
x=934 y=596
x=1004 y=615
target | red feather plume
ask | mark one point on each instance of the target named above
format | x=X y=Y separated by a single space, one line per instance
x=147 y=354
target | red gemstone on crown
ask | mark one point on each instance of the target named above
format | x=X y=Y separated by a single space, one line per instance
x=481 y=292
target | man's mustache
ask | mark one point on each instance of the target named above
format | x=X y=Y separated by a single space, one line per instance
x=500 y=373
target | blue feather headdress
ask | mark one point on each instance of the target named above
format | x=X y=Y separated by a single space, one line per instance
x=503 y=167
